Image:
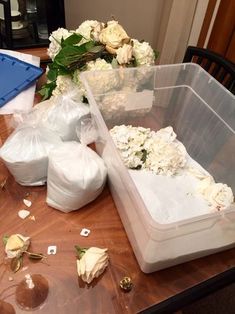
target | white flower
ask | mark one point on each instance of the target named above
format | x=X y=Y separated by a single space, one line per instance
x=55 y=41
x=164 y=157
x=143 y=53
x=98 y=64
x=124 y=54
x=130 y=142
x=16 y=245
x=64 y=83
x=218 y=195
x=113 y=35
x=90 y=30
x=155 y=151
x=102 y=83
x=92 y=264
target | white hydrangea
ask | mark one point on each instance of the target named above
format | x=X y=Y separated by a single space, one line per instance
x=90 y=30
x=155 y=151
x=143 y=53
x=77 y=80
x=102 y=83
x=130 y=142
x=165 y=158
x=55 y=41
x=64 y=83
x=98 y=64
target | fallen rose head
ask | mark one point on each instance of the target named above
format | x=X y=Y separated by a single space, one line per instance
x=16 y=244
x=92 y=263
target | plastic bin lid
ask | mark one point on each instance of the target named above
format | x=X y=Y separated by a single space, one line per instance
x=15 y=76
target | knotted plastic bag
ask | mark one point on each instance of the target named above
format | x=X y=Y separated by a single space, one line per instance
x=25 y=153
x=76 y=176
x=63 y=115
x=60 y=114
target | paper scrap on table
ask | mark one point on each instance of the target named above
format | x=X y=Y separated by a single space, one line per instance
x=23 y=102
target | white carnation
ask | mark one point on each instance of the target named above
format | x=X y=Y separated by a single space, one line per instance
x=55 y=41
x=143 y=53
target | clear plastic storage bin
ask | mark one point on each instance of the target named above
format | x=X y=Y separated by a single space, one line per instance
x=202 y=113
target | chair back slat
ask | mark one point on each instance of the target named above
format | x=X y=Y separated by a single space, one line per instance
x=213 y=63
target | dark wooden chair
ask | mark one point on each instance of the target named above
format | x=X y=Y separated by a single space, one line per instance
x=220 y=68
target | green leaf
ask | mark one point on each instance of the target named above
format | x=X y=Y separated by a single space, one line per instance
x=72 y=40
x=114 y=63
x=96 y=49
x=46 y=90
x=68 y=54
x=144 y=155
x=80 y=251
x=16 y=263
x=52 y=74
x=156 y=54
x=35 y=256
x=4 y=239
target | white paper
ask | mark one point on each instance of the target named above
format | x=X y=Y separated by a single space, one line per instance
x=171 y=198
x=23 y=102
x=139 y=100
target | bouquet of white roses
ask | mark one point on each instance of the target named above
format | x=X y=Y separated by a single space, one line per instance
x=92 y=46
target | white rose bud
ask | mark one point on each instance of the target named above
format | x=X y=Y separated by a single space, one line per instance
x=124 y=54
x=92 y=264
x=114 y=35
x=16 y=245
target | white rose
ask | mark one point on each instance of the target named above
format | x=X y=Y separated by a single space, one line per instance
x=124 y=54
x=219 y=195
x=143 y=53
x=90 y=30
x=113 y=35
x=92 y=264
x=16 y=245
x=55 y=41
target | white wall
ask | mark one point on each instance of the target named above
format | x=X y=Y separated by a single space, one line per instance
x=168 y=25
x=140 y=18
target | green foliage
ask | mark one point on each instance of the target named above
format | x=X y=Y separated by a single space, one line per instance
x=80 y=251
x=47 y=89
x=4 y=239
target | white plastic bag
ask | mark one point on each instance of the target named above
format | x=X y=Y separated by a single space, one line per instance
x=60 y=114
x=25 y=153
x=63 y=115
x=76 y=176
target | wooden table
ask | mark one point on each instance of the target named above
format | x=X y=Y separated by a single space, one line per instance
x=67 y=294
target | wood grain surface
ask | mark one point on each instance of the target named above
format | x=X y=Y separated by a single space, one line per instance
x=67 y=294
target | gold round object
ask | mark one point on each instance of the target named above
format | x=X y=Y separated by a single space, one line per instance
x=126 y=284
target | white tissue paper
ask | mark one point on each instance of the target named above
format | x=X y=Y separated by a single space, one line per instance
x=25 y=153
x=76 y=176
